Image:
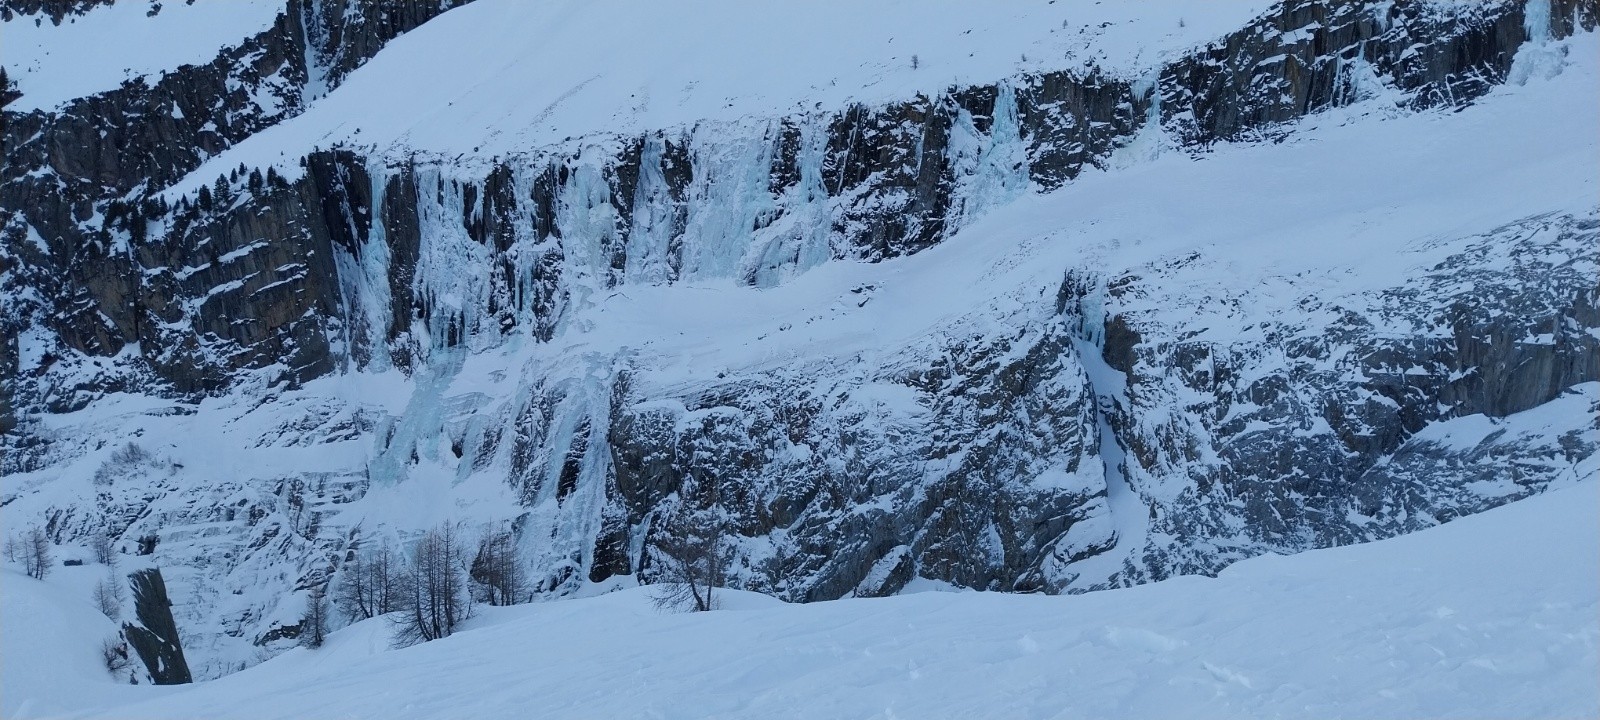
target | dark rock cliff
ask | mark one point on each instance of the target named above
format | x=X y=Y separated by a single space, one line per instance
x=1310 y=432
x=56 y=10
x=890 y=179
x=75 y=178
x=1308 y=435
x=154 y=635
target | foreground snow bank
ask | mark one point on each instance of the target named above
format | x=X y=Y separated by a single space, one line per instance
x=50 y=644
x=1493 y=615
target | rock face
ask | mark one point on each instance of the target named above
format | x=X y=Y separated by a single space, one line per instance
x=1105 y=439
x=545 y=229
x=70 y=172
x=154 y=637
x=56 y=10
x=1325 y=429
x=869 y=472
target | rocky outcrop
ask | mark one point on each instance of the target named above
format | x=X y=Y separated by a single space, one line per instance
x=1306 y=436
x=75 y=177
x=975 y=462
x=548 y=228
x=56 y=10
x=987 y=457
x=990 y=473
x=154 y=635
x=150 y=132
x=1306 y=55
x=9 y=361
x=341 y=35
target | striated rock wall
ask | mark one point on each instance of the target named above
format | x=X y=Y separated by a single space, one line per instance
x=758 y=201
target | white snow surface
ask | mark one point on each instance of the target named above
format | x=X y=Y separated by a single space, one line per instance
x=505 y=76
x=99 y=50
x=1492 y=615
x=50 y=640
x=1356 y=201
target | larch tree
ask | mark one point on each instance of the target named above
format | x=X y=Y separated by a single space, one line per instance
x=689 y=551
x=371 y=582
x=314 y=622
x=434 y=598
x=497 y=568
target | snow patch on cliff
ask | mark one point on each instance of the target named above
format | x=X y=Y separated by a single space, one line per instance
x=110 y=44
x=497 y=77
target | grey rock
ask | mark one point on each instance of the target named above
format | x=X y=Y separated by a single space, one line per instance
x=154 y=635
x=982 y=460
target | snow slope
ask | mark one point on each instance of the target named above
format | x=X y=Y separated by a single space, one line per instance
x=50 y=640
x=502 y=76
x=1357 y=201
x=99 y=50
x=1494 y=615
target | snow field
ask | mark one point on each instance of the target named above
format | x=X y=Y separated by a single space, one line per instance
x=99 y=50
x=506 y=76
x=1491 y=615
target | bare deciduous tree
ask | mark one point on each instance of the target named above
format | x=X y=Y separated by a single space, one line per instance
x=108 y=597
x=370 y=584
x=104 y=551
x=435 y=598
x=688 y=555
x=33 y=551
x=314 y=622
x=497 y=568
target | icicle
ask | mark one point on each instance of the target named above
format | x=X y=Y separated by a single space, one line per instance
x=652 y=229
x=814 y=246
x=1152 y=137
x=1358 y=79
x=362 y=340
x=991 y=170
x=453 y=270
x=527 y=249
x=565 y=514
x=375 y=260
x=799 y=239
x=727 y=199
x=588 y=224
x=316 y=70
x=414 y=435
x=1539 y=57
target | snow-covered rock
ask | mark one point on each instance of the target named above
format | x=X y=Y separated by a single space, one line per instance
x=1279 y=279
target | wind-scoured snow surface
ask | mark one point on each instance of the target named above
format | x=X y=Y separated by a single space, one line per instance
x=506 y=76
x=1494 y=615
x=97 y=51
